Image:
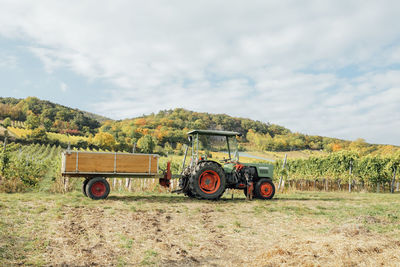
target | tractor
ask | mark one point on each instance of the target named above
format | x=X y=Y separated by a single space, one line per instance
x=205 y=178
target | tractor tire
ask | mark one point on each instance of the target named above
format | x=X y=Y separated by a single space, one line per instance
x=189 y=194
x=97 y=188
x=264 y=189
x=184 y=184
x=208 y=181
x=84 y=187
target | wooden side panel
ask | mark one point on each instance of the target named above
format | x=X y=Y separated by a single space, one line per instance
x=96 y=162
x=132 y=163
x=154 y=164
x=109 y=162
x=70 y=162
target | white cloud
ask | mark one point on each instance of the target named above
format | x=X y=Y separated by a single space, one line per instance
x=63 y=87
x=8 y=61
x=271 y=61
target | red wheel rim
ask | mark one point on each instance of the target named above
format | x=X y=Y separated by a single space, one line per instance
x=98 y=189
x=266 y=189
x=209 y=182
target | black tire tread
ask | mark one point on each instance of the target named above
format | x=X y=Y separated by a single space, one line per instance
x=91 y=182
x=84 y=187
x=257 y=188
x=193 y=179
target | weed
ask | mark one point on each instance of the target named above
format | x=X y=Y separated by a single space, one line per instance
x=149 y=258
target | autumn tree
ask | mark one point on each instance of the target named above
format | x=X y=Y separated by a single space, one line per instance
x=32 y=121
x=104 y=140
x=146 y=144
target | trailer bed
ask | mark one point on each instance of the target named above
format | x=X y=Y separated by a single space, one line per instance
x=109 y=164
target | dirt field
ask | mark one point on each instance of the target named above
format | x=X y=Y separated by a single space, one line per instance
x=308 y=229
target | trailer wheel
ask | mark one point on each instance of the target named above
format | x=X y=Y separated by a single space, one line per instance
x=97 y=188
x=264 y=189
x=208 y=181
x=84 y=187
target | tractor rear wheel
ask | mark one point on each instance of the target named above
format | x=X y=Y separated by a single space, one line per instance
x=208 y=181
x=184 y=184
x=97 y=188
x=264 y=189
x=189 y=194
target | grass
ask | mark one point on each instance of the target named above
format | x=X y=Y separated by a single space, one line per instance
x=160 y=229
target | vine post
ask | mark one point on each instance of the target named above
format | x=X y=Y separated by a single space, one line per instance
x=133 y=148
x=350 y=171
x=283 y=167
x=5 y=142
x=393 y=180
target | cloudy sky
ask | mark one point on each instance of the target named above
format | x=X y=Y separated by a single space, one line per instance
x=330 y=68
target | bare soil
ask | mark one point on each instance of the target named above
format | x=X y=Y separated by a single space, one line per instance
x=307 y=229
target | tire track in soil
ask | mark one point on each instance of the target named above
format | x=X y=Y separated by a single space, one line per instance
x=80 y=240
x=156 y=226
x=217 y=239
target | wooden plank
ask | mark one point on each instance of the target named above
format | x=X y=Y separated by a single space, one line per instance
x=91 y=162
x=70 y=162
x=111 y=163
x=154 y=164
x=132 y=163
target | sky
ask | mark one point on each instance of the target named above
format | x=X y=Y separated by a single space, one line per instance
x=329 y=68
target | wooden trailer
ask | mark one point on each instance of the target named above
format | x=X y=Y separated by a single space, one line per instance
x=96 y=166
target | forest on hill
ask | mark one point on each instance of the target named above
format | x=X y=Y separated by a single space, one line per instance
x=37 y=132
x=32 y=120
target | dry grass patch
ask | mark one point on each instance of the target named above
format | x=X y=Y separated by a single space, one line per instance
x=315 y=229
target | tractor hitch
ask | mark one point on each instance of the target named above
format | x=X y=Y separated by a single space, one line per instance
x=166 y=180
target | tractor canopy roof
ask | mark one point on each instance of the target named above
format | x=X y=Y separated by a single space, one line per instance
x=214 y=132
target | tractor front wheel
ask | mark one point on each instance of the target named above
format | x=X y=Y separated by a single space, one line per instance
x=208 y=181
x=97 y=188
x=264 y=189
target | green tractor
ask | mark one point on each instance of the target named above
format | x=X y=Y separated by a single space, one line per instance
x=204 y=178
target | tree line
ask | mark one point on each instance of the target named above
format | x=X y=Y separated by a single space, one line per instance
x=162 y=132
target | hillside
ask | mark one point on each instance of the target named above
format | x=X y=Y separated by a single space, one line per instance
x=35 y=120
x=52 y=117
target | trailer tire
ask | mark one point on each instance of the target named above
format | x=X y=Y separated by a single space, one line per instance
x=264 y=189
x=84 y=187
x=97 y=188
x=208 y=181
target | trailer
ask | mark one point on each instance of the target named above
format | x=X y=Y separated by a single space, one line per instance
x=203 y=178
x=96 y=166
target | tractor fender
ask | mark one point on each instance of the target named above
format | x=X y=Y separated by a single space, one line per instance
x=212 y=161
